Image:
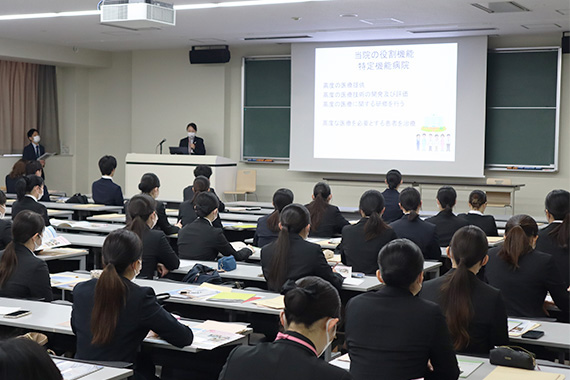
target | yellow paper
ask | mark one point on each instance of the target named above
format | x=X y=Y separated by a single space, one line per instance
x=61 y=251
x=231 y=297
x=89 y=205
x=272 y=303
x=507 y=373
x=108 y=216
x=219 y=288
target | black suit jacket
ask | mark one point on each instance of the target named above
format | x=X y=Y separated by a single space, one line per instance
x=199 y=240
x=488 y=326
x=421 y=233
x=279 y=360
x=188 y=194
x=5 y=233
x=162 y=223
x=157 y=249
x=30 y=278
x=11 y=184
x=140 y=314
x=360 y=253
x=391 y=335
x=331 y=223
x=28 y=203
x=485 y=222
x=263 y=235
x=29 y=153
x=200 y=149
x=548 y=244
x=305 y=259
x=391 y=202
x=524 y=289
x=446 y=224
x=107 y=192
x=187 y=214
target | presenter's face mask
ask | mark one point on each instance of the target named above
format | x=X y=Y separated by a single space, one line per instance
x=191 y=135
x=37 y=139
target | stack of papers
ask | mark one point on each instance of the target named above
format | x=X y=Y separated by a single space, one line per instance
x=231 y=297
x=194 y=292
x=468 y=366
x=52 y=240
x=66 y=281
x=74 y=370
x=518 y=327
x=272 y=303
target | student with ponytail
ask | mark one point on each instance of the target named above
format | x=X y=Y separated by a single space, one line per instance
x=477 y=206
x=186 y=211
x=391 y=196
x=267 y=229
x=29 y=190
x=326 y=219
x=158 y=255
x=22 y=274
x=475 y=312
x=361 y=242
x=150 y=185
x=446 y=222
x=111 y=315
x=291 y=257
x=410 y=226
x=554 y=239
x=523 y=274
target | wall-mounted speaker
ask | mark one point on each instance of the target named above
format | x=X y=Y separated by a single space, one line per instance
x=565 y=44
x=210 y=54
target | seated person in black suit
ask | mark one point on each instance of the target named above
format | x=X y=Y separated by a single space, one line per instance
x=206 y=171
x=391 y=333
x=310 y=317
x=361 y=242
x=158 y=255
x=475 y=311
x=410 y=226
x=24 y=359
x=477 y=205
x=554 y=239
x=186 y=211
x=446 y=222
x=111 y=315
x=5 y=224
x=22 y=274
x=267 y=229
x=33 y=150
x=18 y=171
x=200 y=240
x=326 y=219
x=35 y=167
x=29 y=190
x=523 y=274
x=149 y=185
x=291 y=257
x=104 y=190
x=392 y=196
x=194 y=144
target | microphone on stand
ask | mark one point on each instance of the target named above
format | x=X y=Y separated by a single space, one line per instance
x=160 y=145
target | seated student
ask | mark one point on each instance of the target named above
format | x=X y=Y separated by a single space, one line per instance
x=392 y=196
x=29 y=189
x=111 y=315
x=5 y=224
x=475 y=311
x=205 y=171
x=18 y=171
x=477 y=205
x=393 y=334
x=24 y=359
x=410 y=226
x=554 y=239
x=326 y=219
x=194 y=144
x=523 y=274
x=200 y=240
x=310 y=317
x=446 y=222
x=35 y=167
x=291 y=257
x=22 y=274
x=158 y=255
x=104 y=190
x=361 y=242
x=149 y=185
x=267 y=229
x=186 y=211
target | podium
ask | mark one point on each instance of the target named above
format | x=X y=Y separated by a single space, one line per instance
x=177 y=172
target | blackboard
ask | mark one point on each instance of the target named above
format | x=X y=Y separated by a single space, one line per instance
x=521 y=130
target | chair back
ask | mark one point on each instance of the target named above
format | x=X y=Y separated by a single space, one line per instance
x=246 y=181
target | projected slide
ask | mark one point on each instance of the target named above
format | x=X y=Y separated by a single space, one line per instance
x=393 y=102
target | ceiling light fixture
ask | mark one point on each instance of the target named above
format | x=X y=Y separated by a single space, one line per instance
x=28 y=16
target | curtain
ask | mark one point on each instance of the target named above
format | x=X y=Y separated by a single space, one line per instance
x=48 y=119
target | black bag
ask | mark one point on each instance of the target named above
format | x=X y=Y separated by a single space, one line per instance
x=512 y=356
x=78 y=198
x=202 y=273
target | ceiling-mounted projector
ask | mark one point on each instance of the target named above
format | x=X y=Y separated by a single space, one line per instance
x=137 y=14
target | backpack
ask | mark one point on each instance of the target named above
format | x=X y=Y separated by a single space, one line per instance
x=202 y=273
x=78 y=198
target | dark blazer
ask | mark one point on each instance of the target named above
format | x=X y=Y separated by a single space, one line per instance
x=391 y=335
x=446 y=224
x=360 y=253
x=188 y=194
x=392 y=204
x=485 y=222
x=524 y=289
x=107 y=192
x=331 y=223
x=200 y=240
x=29 y=203
x=198 y=141
x=162 y=223
x=157 y=249
x=421 y=233
x=263 y=235
x=29 y=153
x=187 y=214
x=30 y=278
x=5 y=233
x=11 y=184
x=548 y=244
x=488 y=327
x=140 y=314
x=279 y=360
x=305 y=259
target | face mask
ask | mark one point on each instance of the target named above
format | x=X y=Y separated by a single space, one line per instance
x=37 y=139
x=2 y=211
x=38 y=245
x=329 y=340
x=154 y=221
x=191 y=135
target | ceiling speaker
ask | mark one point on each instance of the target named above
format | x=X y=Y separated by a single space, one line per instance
x=210 y=54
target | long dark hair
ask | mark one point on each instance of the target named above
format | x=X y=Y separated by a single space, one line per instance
x=447 y=196
x=293 y=218
x=148 y=182
x=410 y=200
x=24 y=359
x=26 y=184
x=469 y=246
x=477 y=198
x=372 y=204
x=318 y=206
x=26 y=224
x=140 y=208
x=120 y=249
x=199 y=185
x=519 y=231
x=557 y=203
x=281 y=198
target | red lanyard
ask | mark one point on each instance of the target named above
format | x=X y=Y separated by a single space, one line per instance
x=296 y=340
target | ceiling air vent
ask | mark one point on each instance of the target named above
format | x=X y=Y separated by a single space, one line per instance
x=501 y=7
